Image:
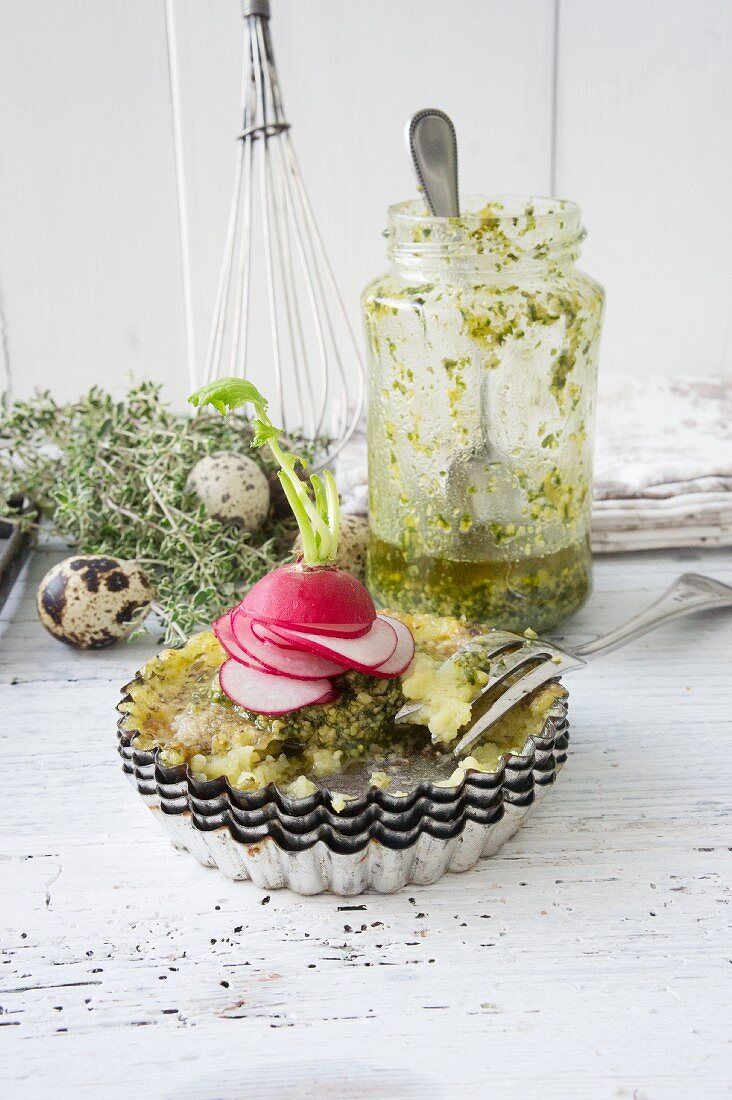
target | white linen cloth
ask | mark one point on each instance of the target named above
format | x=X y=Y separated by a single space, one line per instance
x=663 y=464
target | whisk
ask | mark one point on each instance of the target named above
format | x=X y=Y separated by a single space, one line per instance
x=276 y=291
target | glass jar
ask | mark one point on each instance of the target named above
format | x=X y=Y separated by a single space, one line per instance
x=482 y=343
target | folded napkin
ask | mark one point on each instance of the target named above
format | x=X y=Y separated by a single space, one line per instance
x=663 y=464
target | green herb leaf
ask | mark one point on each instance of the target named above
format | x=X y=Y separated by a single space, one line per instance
x=228 y=395
x=110 y=477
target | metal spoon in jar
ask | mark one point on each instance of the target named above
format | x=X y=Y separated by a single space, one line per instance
x=432 y=144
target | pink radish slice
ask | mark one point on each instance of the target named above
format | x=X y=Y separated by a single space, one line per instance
x=270 y=640
x=402 y=656
x=223 y=630
x=267 y=693
x=364 y=654
x=319 y=598
x=332 y=698
x=284 y=661
x=329 y=630
x=262 y=631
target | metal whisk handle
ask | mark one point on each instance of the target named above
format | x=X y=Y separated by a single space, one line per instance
x=255 y=7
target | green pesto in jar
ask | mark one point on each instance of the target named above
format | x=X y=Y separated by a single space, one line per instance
x=483 y=344
x=532 y=592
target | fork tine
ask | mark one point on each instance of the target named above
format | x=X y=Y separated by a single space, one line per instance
x=505 y=643
x=512 y=661
x=529 y=682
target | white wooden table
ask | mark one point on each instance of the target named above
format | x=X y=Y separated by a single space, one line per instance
x=591 y=958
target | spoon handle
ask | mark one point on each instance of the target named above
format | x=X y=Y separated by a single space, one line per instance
x=690 y=592
x=433 y=148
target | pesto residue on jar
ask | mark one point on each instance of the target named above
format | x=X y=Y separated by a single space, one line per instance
x=483 y=345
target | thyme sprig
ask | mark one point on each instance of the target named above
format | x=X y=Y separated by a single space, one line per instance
x=110 y=477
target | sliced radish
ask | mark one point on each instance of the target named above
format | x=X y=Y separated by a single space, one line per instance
x=402 y=656
x=263 y=633
x=284 y=660
x=327 y=630
x=334 y=696
x=364 y=654
x=223 y=630
x=267 y=693
x=320 y=599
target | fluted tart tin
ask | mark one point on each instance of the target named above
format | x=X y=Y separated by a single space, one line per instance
x=380 y=840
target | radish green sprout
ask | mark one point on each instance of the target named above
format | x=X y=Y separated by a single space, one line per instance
x=318 y=516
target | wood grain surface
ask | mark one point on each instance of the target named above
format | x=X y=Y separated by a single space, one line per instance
x=590 y=958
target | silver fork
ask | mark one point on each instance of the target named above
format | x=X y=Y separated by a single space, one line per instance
x=517 y=666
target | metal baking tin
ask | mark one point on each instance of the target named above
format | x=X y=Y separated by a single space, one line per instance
x=15 y=548
x=379 y=841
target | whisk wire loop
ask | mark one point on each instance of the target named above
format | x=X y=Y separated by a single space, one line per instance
x=293 y=316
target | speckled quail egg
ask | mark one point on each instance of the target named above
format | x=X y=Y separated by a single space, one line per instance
x=91 y=600
x=353 y=542
x=232 y=488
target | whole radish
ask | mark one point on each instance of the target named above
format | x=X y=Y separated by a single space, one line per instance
x=309 y=622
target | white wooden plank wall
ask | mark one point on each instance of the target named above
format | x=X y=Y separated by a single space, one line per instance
x=112 y=114
x=644 y=142
x=351 y=75
x=89 y=251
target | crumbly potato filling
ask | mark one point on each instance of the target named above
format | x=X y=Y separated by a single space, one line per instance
x=176 y=705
